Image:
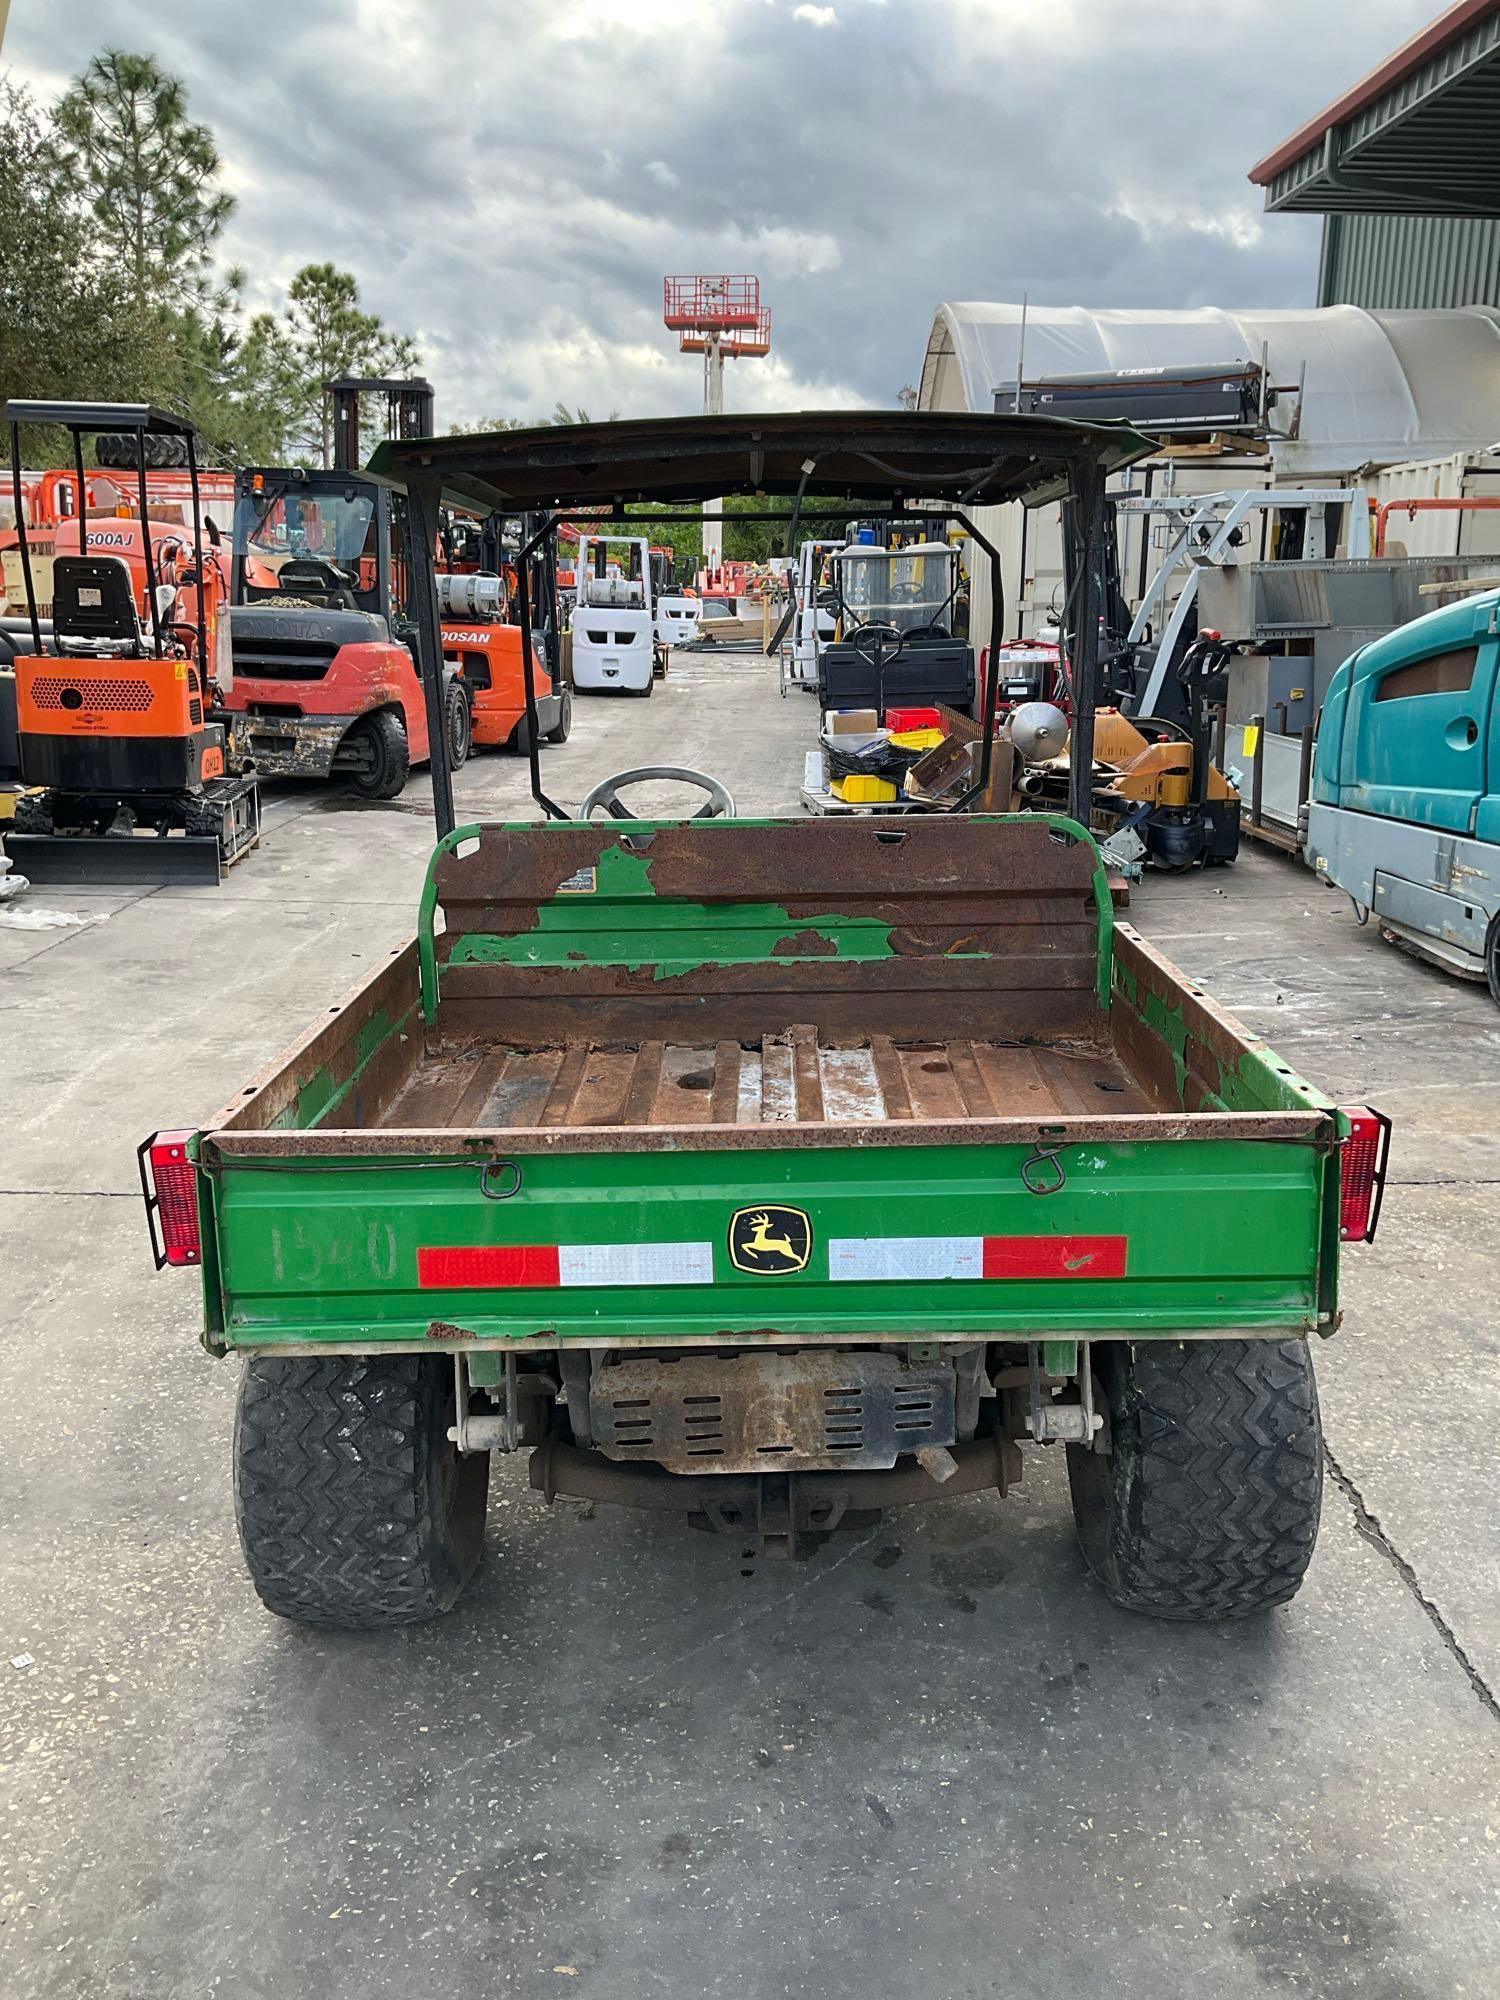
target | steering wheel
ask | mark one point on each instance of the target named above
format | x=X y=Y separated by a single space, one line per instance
x=1156 y=728
x=876 y=644
x=606 y=793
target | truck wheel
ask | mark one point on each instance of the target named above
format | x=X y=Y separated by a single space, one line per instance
x=354 y=1507
x=562 y=728
x=379 y=754
x=647 y=691
x=1207 y=1505
x=460 y=720
x=1492 y=959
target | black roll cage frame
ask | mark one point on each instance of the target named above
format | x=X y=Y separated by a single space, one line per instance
x=1081 y=482
x=88 y=420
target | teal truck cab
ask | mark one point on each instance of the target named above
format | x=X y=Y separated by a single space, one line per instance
x=1405 y=808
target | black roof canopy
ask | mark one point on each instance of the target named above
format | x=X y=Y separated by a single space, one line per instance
x=99 y=417
x=875 y=456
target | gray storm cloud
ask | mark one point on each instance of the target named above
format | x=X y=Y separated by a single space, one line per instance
x=511 y=182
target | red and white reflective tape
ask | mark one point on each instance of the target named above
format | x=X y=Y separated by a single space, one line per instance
x=542 y=1264
x=861 y=1259
x=856 y=1259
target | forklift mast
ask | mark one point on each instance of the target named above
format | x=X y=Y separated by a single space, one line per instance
x=408 y=412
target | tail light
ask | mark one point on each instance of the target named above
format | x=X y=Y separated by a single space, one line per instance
x=1362 y=1164
x=169 y=1182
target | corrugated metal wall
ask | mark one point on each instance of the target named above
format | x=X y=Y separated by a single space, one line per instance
x=1396 y=261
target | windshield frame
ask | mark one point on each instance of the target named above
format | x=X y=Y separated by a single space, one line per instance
x=280 y=484
x=940 y=611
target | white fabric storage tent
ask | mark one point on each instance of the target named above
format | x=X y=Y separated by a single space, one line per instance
x=1381 y=387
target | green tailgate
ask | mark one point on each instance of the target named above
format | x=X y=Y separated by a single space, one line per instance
x=1216 y=1234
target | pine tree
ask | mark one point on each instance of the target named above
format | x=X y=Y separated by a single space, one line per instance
x=126 y=145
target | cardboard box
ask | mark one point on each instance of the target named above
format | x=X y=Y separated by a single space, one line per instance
x=851 y=722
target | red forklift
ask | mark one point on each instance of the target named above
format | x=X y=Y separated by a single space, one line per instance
x=121 y=731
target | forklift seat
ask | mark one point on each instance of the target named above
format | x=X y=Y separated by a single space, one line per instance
x=93 y=605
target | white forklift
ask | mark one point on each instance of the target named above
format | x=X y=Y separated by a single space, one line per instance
x=812 y=620
x=677 y=615
x=615 y=644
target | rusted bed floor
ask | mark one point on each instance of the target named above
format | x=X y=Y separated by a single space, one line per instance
x=786 y=1077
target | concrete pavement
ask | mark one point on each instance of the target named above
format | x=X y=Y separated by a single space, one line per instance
x=632 y=1764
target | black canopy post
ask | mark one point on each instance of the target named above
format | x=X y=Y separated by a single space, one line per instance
x=83 y=494
x=146 y=550
x=1083 y=639
x=24 y=545
x=204 y=665
x=423 y=497
x=545 y=534
x=991 y=683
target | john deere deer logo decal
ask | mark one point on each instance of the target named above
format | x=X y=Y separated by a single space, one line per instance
x=770 y=1240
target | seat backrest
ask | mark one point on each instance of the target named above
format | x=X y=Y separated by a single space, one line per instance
x=925 y=669
x=93 y=602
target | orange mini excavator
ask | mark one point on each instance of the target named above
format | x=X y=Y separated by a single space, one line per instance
x=118 y=701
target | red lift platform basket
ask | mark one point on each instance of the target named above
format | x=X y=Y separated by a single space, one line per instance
x=711 y=304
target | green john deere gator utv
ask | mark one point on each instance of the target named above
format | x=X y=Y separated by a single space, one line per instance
x=769 y=1173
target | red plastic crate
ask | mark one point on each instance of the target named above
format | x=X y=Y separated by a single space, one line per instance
x=912 y=718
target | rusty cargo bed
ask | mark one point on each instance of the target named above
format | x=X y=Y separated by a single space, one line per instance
x=985 y=1106
x=796 y=983
x=780 y=1078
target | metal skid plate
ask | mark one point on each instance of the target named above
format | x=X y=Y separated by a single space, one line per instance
x=771 y=1412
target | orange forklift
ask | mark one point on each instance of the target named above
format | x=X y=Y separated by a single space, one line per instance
x=477 y=597
x=325 y=681
x=119 y=722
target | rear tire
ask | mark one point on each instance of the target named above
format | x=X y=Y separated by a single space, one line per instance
x=354 y=1507
x=563 y=727
x=1491 y=958
x=384 y=755
x=647 y=691
x=459 y=718
x=1207 y=1506
x=520 y=738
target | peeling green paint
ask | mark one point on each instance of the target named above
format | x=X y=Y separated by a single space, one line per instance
x=1060 y=1359
x=600 y=925
x=622 y=921
x=1257 y=1082
x=322 y=1092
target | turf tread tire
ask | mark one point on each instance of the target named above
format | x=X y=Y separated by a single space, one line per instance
x=116 y=451
x=1207 y=1506
x=354 y=1509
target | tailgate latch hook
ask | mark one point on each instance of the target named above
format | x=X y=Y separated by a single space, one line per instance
x=1034 y=1171
x=502 y=1193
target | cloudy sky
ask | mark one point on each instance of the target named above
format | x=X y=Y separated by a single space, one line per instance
x=510 y=179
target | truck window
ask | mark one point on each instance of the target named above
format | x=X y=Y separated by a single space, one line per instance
x=1441 y=673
